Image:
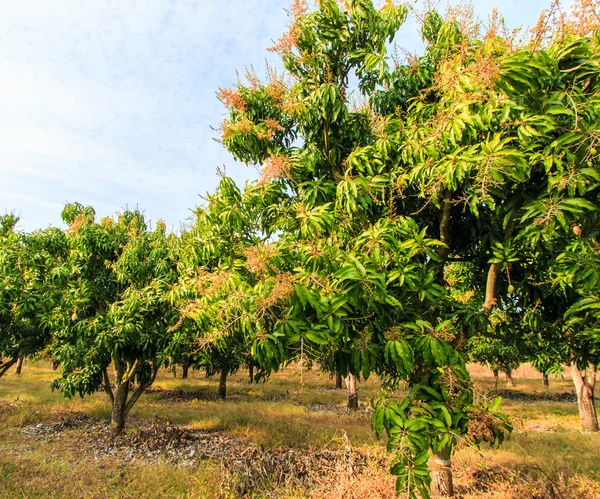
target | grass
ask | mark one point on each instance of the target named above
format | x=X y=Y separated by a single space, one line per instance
x=546 y=446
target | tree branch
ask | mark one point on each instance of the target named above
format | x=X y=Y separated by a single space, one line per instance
x=445 y=232
x=492 y=278
x=7 y=365
x=140 y=389
x=132 y=371
x=490 y=288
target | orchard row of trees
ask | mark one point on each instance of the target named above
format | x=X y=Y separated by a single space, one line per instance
x=408 y=215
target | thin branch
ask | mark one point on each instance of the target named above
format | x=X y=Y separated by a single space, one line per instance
x=140 y=389
x=132 y=371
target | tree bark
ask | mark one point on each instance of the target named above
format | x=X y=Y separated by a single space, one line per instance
x=19 y=366
x=446 y=212
x=585 y=382
x=118 y=415
x=441 y=474
x=490 y=288
x=352 y=392
x=174 y=370
x=251 y=373
x=184 y=371
x=546 y=380
x=495 y=371
x=223 y=383
x=492 y=277
x=120 y=398
x=509 y=379
x=338 y=380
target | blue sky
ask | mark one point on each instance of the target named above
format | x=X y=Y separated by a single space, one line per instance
x=111 y=102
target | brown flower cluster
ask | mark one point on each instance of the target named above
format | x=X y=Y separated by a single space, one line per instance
x=275 y=167
x=283 y=288
x=257 y=258
x=378 y=124
x=463 y=15
x=456 y=385
x=585 y=17
x=484 y=71
x=555 y=24
x=287 y=42
x=243 y=126
x=273 y=126
x=464 y=297
x=292 y=106
x=107 y=222
x=232 y=99
x=275 y=90
x=289 y=39
x=210 y=283
x=252 y=79
x=299 y=8
x=79 y=221
x=482 y=424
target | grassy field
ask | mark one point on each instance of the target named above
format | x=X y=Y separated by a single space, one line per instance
x=277 y=439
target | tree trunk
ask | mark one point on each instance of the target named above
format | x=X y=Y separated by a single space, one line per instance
x=490 y=288
x=251 y=373
x=445 y=216
x=223 y=383
x=19 y=365
x=174 y=370
x=184 y=371
x=509 y=379
x=117 y=418
x=352 y=392
x=546 y=380
x=338 y=380
x=5 y=366
x=495 y=371
x=585 y=383
x=441 y=474
x=120 y=398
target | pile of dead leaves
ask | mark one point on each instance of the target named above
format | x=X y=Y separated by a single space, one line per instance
x=246 y=467
x=182 y=395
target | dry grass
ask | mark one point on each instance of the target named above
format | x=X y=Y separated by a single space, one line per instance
x=547 y=450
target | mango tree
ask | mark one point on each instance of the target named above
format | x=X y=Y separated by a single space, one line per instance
x=498 y=143
x=115 y=314
x=367 y=276
x=27 y=271
x=222 y=268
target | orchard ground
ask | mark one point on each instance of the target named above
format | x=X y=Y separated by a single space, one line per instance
x=279 y=439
